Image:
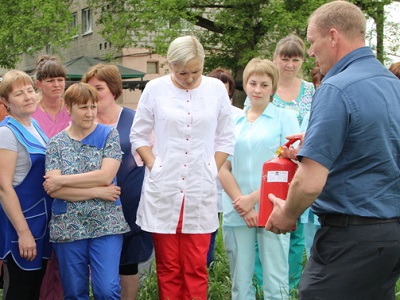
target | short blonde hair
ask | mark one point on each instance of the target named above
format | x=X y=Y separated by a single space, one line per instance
x=109 y=74
x=11 y=79
x=342 y=15
x=80 y=93
x=183 y=49
x=259 y=66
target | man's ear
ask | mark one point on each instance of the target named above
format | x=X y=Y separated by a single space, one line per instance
x=333 y=36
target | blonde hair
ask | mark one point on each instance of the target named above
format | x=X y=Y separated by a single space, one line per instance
x=80 y=93
x=183 y=49
x=11 y=79
x=342 y=15
x=259 y=66
x=109 y=74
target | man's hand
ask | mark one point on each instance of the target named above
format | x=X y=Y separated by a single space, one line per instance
x=291 y=152
x=280 y=222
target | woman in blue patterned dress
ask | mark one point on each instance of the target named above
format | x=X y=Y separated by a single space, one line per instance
x=87 y=222
x=138 y=244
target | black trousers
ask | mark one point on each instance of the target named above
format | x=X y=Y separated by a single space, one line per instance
x=353 y=262
x=20 y=284
x=1 y=277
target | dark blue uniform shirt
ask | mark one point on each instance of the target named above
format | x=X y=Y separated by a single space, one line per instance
x=354 y=131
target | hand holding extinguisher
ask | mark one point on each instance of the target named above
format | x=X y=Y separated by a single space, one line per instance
x=289 y=151
x=284 y=218
x=277 y=174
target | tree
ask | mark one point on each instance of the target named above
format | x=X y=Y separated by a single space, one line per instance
x=27 y=26
x=376 y=11
x=233 y=31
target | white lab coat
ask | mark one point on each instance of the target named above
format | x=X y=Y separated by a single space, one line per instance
x=189 y=127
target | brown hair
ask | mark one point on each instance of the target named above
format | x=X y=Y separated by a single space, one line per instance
x=395 y=69
x=261 y=66
x=226 y=77
x=80 y=93
x=49 y=67
x=107 y=73
x=316 y=76
x=290 y=46
x=11 y=79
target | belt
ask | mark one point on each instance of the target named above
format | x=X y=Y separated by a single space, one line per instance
x=338 y=220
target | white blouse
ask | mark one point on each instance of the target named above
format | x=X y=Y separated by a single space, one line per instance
x=189 y=127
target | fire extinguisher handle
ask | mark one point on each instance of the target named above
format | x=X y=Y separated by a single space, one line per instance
x=291 y=142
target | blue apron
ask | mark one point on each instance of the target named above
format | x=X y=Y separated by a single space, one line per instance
x=138 y=245
x=34 y=201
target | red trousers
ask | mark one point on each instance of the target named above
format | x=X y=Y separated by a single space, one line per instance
x=181 y=261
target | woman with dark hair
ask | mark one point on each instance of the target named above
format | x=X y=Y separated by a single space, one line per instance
x=52 y=116
x=50 y=113
x=226 y=77
x=87 y=221
x=293 y=93
x=138 y=245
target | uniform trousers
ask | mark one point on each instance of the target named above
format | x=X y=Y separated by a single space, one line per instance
x=102 y=254
x=357 y=262
x=296 y=254
x=240 y=246
x=181 y=261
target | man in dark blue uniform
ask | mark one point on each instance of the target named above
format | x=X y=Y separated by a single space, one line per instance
x=350 y=161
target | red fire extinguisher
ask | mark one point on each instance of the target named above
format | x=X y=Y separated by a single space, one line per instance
x=277 y=174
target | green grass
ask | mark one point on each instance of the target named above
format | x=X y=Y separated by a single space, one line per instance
x=219 y=279
x=219 y=285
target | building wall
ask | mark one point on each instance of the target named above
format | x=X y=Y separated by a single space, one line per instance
x=92 y=44
x=138 y=59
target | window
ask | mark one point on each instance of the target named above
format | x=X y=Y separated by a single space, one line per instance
x=74 y=24
x=152 y=67
x=87 y=21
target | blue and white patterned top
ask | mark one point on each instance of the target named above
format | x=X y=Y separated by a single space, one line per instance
x=302 y=104
x=72 y=221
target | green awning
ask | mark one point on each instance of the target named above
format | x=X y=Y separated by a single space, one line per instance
x=77 y=67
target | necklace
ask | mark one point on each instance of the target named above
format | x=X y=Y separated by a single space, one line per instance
x=54 y=119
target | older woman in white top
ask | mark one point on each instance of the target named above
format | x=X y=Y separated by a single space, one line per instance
x=190 y=115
